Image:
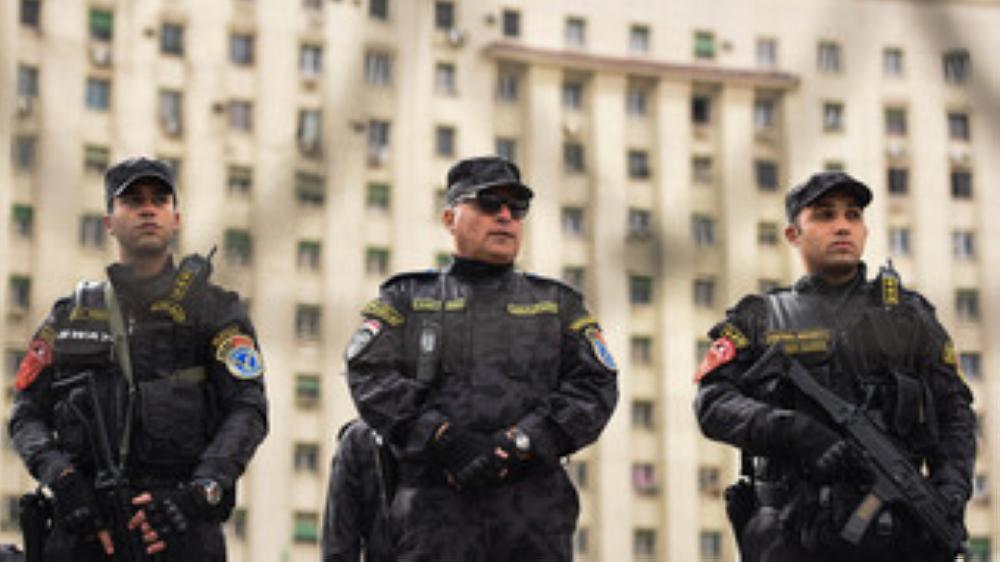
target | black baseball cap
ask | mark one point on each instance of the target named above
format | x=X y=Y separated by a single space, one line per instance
x=124 y=174
x=472 y=175
x=818 y=185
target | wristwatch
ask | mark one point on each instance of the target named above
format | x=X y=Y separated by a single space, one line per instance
x=209 y=489
x=522 y=442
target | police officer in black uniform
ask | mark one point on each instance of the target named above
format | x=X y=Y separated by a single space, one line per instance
x=482 y=378
x=354 y=521
x=141 y=398
x=872 y=343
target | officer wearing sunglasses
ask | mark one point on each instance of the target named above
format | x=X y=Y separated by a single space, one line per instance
x=482 y=378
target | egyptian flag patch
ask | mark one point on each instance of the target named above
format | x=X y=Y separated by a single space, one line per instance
x=240 y=356
x=722 y=351
x=365 y=335
x=600 y=347
x=38 y=357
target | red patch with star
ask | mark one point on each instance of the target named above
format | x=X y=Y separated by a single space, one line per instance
x=722 y=351
x=38 y=357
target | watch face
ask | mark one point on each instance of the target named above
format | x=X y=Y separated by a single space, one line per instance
x=211 y=490
x=522 y=442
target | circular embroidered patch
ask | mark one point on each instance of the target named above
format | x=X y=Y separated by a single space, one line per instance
x=244 y=363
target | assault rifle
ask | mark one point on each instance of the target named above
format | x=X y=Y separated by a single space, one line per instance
x=897 y=481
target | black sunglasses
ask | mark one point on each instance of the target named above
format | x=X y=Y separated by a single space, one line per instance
x=491 y=203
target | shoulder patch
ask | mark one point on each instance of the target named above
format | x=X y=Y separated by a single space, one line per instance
x=362 y=338
x=600 y=347
x=382 y=310
x=733 y=334
x=948 y=354
x=238 y=352
x=722 y=351
x=38 y=357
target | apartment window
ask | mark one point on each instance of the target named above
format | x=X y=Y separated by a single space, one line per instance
x=767 y=175
x=763 y=113
x=507 y=82
x=578 y=474
x=240 y=115
x=171 y=39
x=572 y=95
x=767 y=234
x=310 y=189
x=963 y=245
x=444 y=15
x=958 y=125
x=31 y=12
x=635 y=101
x=767 y=52
x=575 y=277
x=308 y=256
x=967 y=304
x=644 y=478
x=377 y=261
x=378 y=9
x=898 y=181
x=638 y=39
x=511 y=23
x=703 y=230
x=961 y=184
x=644 y=544
x=171 y=111
x=444 y=78
x=22 y=219
x=306 y=457
x=92 y=232
x=307 y=390
x=305 y=527
x=833 y=116
x=572 y=221
x=899 y=242
x=895 y=121
x=704 y=45
x=711 y=546
x=701 y=110
x=506 y=149
x=241 y=49
x=98 y=94
x=239 y=180
x=581 y=541
x=892 y=62
x=307 y=321
x=709 y=481
x=27 y=81
x=704 y=292
x=641 y=350
x=970 y=364
x=378 y=196
x=701 y=169
x=444 y=141
x=576 y=32
x=642 y=414
x=24 y=152
x=101 y=24
x=310 y=131
x=312 y=4
x=20 y=292
x=639 y=223
x=238 y=247
x=378 y=68
x=828 y=57
x=957 y=66
x=310 y=60
x=638 y=164
x=573 y=158
x=640 y=289
x=378 y=140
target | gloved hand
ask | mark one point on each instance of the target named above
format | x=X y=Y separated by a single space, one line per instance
x=825 y=453
x=509 y=457
x=841 y=462
x=955 y=500
x=76 y=504
x=466 y=457
x=170 y=514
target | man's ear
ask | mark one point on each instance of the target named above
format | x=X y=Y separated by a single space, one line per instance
x=448 y=218
x=792 y=234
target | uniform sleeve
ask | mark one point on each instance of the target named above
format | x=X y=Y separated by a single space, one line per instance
x=573 y=415
x=389 y=401
x=30 y=424
x=951 y=461
x=235 y=373
x=343 y=526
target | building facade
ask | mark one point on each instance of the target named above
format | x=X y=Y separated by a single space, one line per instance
x=311 y=140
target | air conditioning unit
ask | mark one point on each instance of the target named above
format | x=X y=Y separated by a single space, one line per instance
x=172 y=126
x=456 y=37
x=571 y=128
x=100 y=54
x=377 y=157
x=958 y=155
x=24 y=106
x=895 y=150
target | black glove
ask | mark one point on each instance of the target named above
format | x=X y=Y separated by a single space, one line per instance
x=76 y=504
x=172 y=513
x=955 y=500
x=510 y=458
x=825 y=454
x=841 y=462
x=466 y=456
